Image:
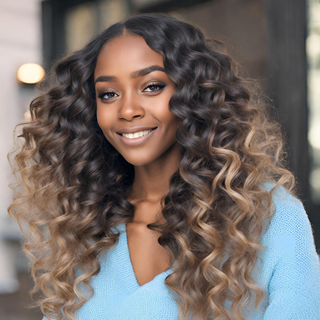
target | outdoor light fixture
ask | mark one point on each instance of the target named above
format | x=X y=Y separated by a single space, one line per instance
x=30 y=73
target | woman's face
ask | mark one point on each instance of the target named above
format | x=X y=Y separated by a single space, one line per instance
x=127 y=99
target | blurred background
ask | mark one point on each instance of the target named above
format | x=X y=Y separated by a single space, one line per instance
x=277 y=42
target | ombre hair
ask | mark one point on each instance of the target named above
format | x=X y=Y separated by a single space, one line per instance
x=72 y=184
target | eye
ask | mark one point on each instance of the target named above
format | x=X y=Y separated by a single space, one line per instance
x=106 y=95
x=153 y=85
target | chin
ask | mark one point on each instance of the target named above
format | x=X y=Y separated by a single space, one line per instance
x=138 y=161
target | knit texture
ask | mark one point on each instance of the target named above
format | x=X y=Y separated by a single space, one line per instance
x=289 y=273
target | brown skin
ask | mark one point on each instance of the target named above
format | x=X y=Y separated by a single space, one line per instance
x=131 y=102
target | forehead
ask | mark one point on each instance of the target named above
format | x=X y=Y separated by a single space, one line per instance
x=127 y=53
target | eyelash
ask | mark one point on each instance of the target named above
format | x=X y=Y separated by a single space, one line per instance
x=160 y=85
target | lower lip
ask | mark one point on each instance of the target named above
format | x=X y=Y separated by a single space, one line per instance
x=136 y=141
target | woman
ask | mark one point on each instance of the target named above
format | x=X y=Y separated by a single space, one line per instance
x=193 y=217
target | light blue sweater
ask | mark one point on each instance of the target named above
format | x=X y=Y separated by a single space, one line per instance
x=290 y=273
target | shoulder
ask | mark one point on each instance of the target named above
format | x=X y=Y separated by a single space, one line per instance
x=291 y=253
x=291 y=265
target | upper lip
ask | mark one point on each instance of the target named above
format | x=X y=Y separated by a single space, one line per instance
x=134 y=129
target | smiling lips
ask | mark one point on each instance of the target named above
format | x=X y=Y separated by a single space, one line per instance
x=136 y=134
x=134 y=129
x=135 y=137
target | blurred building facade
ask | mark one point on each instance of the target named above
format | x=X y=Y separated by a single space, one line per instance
x=20 y=42
x=313 y=87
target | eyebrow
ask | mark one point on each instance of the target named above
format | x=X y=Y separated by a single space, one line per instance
x=133 y=75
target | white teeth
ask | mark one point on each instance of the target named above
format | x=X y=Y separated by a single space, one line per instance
x=136 y=134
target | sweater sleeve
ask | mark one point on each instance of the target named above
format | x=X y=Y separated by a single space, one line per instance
x=294 y=287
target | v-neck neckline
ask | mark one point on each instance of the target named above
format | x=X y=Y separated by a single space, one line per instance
x=158 y=276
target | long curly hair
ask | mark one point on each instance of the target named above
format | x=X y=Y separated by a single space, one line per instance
x=72 y=184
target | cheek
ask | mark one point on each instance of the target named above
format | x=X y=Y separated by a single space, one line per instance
x=169 y=118
x=102 y=119
x=105 y=123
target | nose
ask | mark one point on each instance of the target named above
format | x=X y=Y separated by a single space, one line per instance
x=131 y=106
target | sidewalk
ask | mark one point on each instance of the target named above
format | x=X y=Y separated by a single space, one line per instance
x=13 y=306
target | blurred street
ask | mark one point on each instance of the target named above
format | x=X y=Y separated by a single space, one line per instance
x=13 y=305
